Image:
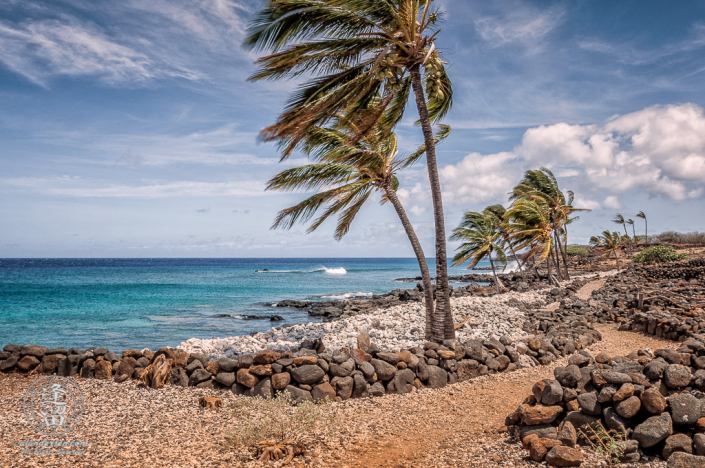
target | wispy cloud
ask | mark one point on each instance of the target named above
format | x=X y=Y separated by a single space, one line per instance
x=77 y=187
x=522 y=23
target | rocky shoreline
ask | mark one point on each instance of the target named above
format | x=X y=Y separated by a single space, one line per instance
x=371 y=354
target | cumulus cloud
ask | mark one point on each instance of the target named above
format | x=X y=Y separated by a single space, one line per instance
x=659 y=150
x=612 y=202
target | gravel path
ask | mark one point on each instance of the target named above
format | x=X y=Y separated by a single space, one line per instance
x=126 y=426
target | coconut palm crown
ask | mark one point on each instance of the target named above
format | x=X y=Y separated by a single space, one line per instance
x=481 y=238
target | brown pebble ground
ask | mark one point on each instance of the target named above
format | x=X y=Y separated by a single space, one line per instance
x=128 y=426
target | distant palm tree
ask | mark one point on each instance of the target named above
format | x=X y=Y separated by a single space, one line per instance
x=355 y=50
x=631 y=222
x=646 y=224
x=481 y=239
x=619 y=219
x=348 y=174
x=610 y=242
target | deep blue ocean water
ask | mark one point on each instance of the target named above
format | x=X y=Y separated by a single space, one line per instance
x=137 y=303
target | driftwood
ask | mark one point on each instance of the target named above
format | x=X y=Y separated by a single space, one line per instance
x=157 y=373
x=210 y=402
x=273 y=450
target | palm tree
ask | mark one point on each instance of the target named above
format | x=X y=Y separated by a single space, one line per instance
x=350 y=173
x=646 y=224
x=611 y=242
x=531 y=225
x=619 y=219
x=631 y=223
x=542 y=185
x=499 y=213
x=357 y=50
x=481 y=238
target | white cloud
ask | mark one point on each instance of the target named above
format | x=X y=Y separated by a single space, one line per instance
x=659 y=150
x=41 y=48
x=612 y=202
x=521 y=24
x=479 y=178
x=77 y=187
x=585 y=203
x=417 y=210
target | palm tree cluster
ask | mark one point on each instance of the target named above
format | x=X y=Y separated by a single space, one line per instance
x=610 y=242
x=619 y=219
x=536 y=223
x=365 y=59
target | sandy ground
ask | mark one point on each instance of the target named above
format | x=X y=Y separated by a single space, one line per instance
x=128 y=426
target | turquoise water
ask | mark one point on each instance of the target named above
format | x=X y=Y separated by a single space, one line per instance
x=136 y=303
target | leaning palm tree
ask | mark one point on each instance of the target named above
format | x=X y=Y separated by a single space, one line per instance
x=481 y=239
x=610 y=242
x=646 y=226
x=531 y=225
x=499 y=213
x=631 y=223
x=349 y=174
x=619 y=219
x=357 y=50
x=543 y=186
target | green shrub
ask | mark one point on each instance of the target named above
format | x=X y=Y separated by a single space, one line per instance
x=577 y=251
x=658 y=254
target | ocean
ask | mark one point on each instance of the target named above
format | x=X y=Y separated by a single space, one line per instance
x=138 y=303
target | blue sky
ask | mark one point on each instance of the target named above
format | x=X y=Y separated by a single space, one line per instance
x=127 y=129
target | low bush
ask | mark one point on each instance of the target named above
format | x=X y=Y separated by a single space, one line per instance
x=577 y=251
x=672 y=237
x=278 y=419
x=658 y=254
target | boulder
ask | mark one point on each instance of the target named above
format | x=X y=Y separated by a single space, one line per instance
x=569 y=376
x=653 y=430
x=50 y=363
x=342 y=370
x=624 y=392
x=538 y=448
x=589 y=405
x=322 y=392
x=298 y=395
x=401 y=383
x=393 y=358
x=468 y=369
x=33 y=350
x=548 y=392
x=307 y=374
x=27 y=363
x=263 y=388
x=539 y=414
x=676 y=376
x=266 y=357
x=685 y=460
x=629 y=407
x=685 y=409
x=360 y=387
x=699 y=443
x=87 y=369
x=198 y=376
x=280 y=381
x=386 y=371
x=125 y=369
x=652 y=401
x=261 y=370
x=103 y=370
x=227 y=365
x=614 y=421
x=677 y=443
x=377 y=389
x=567 y=434
x=225 y=378
x=564 y=456
x=344 y=387
x=245 y=378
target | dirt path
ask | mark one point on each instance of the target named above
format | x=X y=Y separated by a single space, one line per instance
x=454 y=426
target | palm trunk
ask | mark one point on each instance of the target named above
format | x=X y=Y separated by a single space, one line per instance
x=548 y=267
x=443 y=325
x=420 y=257
x=516 y=258
x=554 y=252
x=646 y=233
x=634 y=231
x=496 y=280
x=616 y=258
x=565 y=258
